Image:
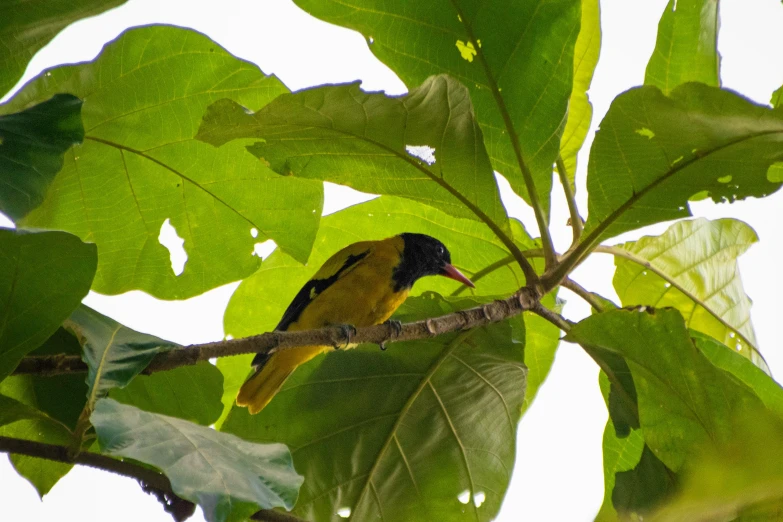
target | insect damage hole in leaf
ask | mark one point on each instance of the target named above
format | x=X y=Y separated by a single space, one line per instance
x=648 y=133
x=344 y=512
x=467 y=50
x=479 y=498
x=263 y=250
x=464 y=497
x=423 y=152
x=169 y=238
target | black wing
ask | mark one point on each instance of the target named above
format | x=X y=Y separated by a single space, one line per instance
x=305 y=296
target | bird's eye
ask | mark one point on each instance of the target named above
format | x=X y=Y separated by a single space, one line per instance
x=441 y=250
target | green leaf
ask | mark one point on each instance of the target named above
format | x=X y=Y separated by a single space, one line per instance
x=516 y=58
x=32 y=144
x=767 y=389
x=218 y=471
x=57 y=402
x=473 y=248
x=32 y=24
x=687 y=46
x=189 y=392
x=652 y=153
x=114 y=353
x=685 y=403
x=621 y=454
x=370 y=424
x=43 y=277
x=643 y=488
x=693 y=267
x=741 y=480
x=41 y=473
x=541 y=340
x=139 y=166
x=344 y=135
x=580 y=110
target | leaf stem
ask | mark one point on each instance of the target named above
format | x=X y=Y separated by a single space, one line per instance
x=576 y=219
x=588 y=243
x=527 y=176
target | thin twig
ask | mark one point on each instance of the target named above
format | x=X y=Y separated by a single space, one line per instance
x=588 y=296
x=576 y=220
x=553 y=317
x=149 y=477
x=269 y=342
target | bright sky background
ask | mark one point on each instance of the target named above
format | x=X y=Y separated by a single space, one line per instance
x=558 y=474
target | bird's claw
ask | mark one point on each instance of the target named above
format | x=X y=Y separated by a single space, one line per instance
x=395 y=326
x=347 y=331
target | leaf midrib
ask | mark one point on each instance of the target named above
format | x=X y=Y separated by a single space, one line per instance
x=588 y=243
x=406 y=409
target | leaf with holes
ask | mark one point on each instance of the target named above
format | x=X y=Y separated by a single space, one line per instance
x=516 y=59
x=32 y=144
x=685 y=403
x=27 y=29
x=693 y=267
x=370 y=424
x=218 y=471
x=653 y=152
x=580 y=110
x=139 y=166
x=687 y=46
x=43 y=277
x=364 y=140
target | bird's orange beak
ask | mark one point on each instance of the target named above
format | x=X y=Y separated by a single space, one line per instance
x=452 y=273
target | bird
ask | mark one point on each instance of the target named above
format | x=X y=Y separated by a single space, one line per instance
x=361 y=285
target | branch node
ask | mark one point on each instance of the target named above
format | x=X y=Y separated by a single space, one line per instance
x=431 y=329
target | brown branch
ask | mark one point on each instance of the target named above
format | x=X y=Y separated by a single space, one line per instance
x=151 y=481
x=585 y=294
x=381 y=334
x=553 y=317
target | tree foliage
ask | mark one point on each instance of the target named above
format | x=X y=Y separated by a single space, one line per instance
x=165 y=127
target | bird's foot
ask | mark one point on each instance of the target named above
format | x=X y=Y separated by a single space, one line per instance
x=347 y=331
x=395 y=329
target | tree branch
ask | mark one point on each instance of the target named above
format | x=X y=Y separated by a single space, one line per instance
x=382 y=334
x=150 y=479
x=553 y=317
x=585 y=294
x=576 y=219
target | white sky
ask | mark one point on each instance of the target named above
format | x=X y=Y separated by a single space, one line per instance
x=558 y=474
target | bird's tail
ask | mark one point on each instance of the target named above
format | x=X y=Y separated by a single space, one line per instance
x=262 y=386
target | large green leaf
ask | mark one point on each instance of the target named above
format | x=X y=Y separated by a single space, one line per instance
x=767 y=389
x=139 y=166
x=363 y=140
x=516 y=58
x=225 y=475
x=260 y=300
x=422 y=431
x=189 y=392
x=114 y=353
x=32 y=144
x=687 y=46
x=685 y=402
x=43 y=277
x=51 y=406
x=28 y=25
x=693 y=267
x=580 y=110
x=652 y=153
x=741 y=480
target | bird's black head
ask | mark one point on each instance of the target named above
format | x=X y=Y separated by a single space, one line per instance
x=422 y=256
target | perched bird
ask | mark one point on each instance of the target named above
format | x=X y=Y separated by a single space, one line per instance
x=361 y=285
